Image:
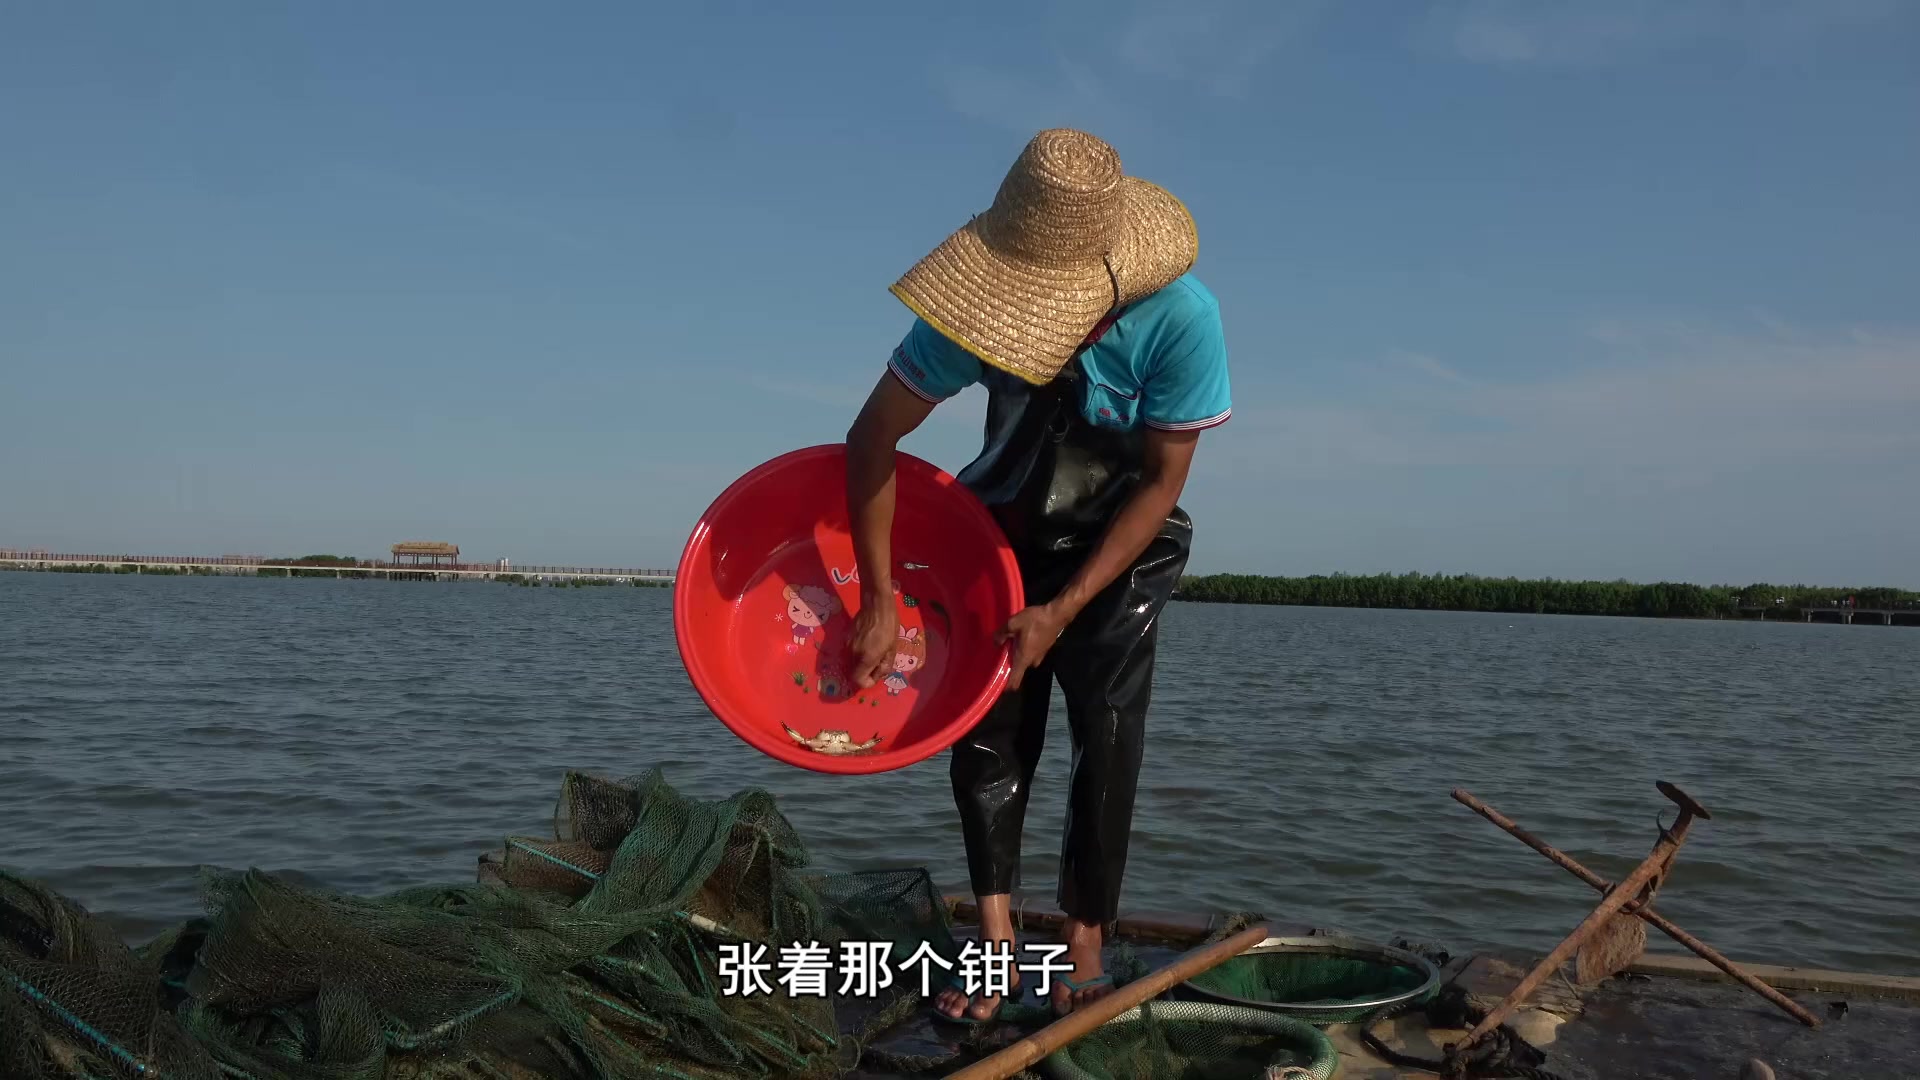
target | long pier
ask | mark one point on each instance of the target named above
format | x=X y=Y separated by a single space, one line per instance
x=250 y=564
x=1845 y=614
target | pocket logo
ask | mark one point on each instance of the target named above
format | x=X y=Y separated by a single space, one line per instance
x=1109 y=407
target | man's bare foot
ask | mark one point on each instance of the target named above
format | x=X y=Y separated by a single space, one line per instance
x=1087 y=982
x=953 y=1000
x=996 y=924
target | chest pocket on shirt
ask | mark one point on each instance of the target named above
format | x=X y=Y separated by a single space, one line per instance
x=1104 y=406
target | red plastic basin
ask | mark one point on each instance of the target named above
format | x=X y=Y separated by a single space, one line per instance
x=764 y=599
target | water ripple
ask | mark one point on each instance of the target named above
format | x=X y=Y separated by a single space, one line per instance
x=379 y=735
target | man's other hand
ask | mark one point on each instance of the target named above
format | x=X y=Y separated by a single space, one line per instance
x=1033 y=631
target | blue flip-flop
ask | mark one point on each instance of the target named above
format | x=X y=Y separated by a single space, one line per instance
x=1007 y=1012
x=1074 y=988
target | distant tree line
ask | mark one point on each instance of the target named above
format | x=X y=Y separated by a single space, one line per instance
x=1468 y=592
x=319 y=560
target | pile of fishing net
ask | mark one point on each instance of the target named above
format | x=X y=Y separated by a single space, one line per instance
x=598 y=954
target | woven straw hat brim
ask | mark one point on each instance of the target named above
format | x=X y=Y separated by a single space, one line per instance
x=1029 y=319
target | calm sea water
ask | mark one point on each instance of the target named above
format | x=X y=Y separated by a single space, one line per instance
x=374 y=735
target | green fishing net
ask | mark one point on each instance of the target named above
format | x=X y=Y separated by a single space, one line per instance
x=605 y=951
x=1186 y=1040
x=599 y=953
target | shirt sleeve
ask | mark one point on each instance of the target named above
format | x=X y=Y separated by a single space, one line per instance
x=1187 y=389
x=931 y=365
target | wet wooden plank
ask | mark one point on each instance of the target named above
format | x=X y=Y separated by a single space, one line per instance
x=1899 y=987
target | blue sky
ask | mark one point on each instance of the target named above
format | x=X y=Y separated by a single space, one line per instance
x=1544 y=288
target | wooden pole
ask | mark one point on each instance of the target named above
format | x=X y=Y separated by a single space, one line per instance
x=1634 y=907
x=1093 y=1014
x=1656 y=862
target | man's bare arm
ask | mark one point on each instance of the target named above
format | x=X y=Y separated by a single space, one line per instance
x=891 y=413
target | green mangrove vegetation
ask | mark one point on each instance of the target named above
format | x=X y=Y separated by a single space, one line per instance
x=319 y=560
x=107 y=568
x=577 y=583
x=1546 y=596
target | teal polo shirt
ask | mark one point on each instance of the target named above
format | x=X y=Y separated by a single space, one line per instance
x=1162 y=363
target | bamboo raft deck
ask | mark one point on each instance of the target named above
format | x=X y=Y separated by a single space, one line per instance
x=1670 y=1017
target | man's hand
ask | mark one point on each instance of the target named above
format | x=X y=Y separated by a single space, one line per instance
x=876 y=631
x=1168 y=457
x=1033 y=631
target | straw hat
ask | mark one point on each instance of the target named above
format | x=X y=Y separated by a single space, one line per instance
x=1068 y=239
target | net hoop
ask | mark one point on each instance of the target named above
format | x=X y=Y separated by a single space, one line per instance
x=1338 y=1011
x=1305 y=1040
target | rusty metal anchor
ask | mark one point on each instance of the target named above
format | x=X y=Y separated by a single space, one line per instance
x=1611 y=937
